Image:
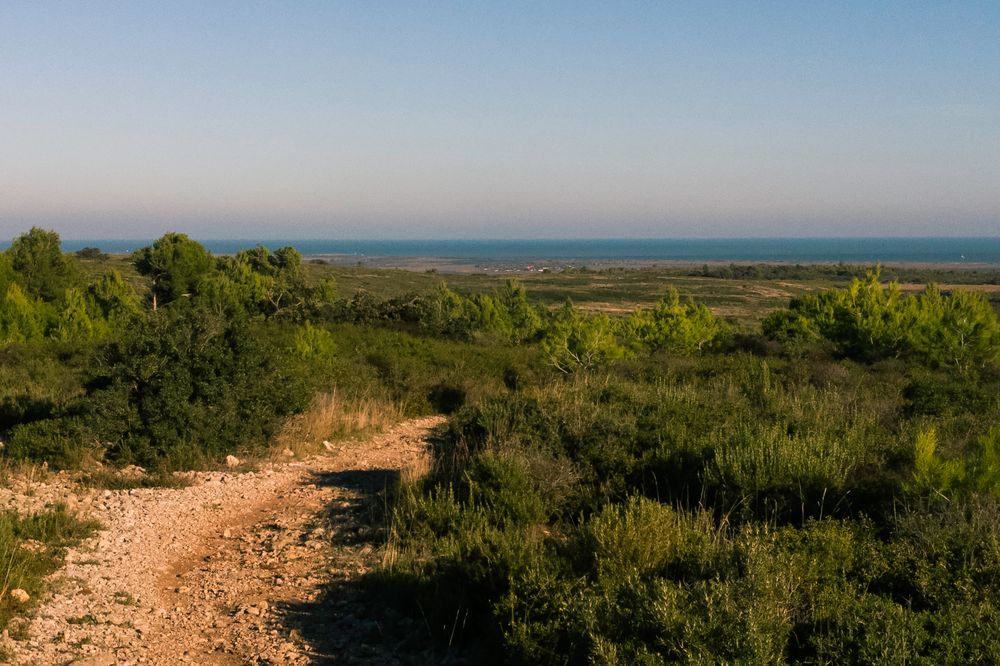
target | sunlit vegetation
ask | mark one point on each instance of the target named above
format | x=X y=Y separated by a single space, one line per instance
x=866 y=320
x=816 y=481
x=32 y=547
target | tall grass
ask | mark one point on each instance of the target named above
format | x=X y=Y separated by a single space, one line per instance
x=332 y=415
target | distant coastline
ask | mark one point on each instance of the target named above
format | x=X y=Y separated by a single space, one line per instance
x=532 y=255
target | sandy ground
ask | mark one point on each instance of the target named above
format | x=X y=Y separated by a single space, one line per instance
x=238 y=568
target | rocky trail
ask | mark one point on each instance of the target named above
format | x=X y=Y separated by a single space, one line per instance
x=251 y=567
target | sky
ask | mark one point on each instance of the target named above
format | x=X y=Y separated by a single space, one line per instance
x=499 y=119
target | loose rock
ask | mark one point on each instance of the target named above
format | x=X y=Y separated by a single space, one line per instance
x=158 y=586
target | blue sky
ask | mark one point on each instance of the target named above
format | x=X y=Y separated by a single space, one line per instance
x=500 y=120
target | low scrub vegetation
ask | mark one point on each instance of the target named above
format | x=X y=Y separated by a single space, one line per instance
x=869 y=321
x=623 y=517
x=661 y=485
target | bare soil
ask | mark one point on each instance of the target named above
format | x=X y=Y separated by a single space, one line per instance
x=244 y=567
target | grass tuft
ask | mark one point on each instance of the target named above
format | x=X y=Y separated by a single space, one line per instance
x=32 y=547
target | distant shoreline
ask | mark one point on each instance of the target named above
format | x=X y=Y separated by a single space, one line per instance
x=519 y=256
x=448 y=265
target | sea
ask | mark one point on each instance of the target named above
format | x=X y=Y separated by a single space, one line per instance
x=951 y=250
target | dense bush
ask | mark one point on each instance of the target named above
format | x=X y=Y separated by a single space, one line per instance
x=44 y=297
x=672 y=326
x=174 y=265
x=869 y=321
x=256 y=280
x=91 y=254
x=505 y=315
x=576 y=341
x=191 y=380
x=37 y=259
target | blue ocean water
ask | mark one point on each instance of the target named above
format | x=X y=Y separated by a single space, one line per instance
x=794 y=250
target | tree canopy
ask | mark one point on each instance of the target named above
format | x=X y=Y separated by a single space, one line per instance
x=37 y=258
x=175 y=265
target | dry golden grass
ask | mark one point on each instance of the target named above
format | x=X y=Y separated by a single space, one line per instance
x=417 y=469
x=332 y=416
x=23 y=469
x=405 y=494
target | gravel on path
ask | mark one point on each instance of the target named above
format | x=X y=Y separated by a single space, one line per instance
x=220 y=572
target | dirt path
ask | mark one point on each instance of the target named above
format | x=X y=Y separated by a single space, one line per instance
x=231 y=570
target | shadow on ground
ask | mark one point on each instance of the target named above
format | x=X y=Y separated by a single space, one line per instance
x=363 y=617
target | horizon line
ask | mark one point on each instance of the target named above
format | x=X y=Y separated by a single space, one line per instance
x=524 y=239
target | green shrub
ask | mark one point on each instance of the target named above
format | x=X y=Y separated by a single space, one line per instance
x=958 y=330
x=978 y=471
x=37 y=259
x=502 y=422
x=504 y=489
x=758 y=457
x=313 y=342
x=31 y=310
x=674 y=327
x=447 y=398
x=794 y=330
x=189 y=377
x=506 y=314
x=40 y=380
x=639 y=538
x=22 y=318
x=91 y=254
x=63 y=442
x=574 y=341
x=174 y=265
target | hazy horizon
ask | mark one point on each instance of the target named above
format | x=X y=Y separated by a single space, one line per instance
x=525 y=239
x=500 y=120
